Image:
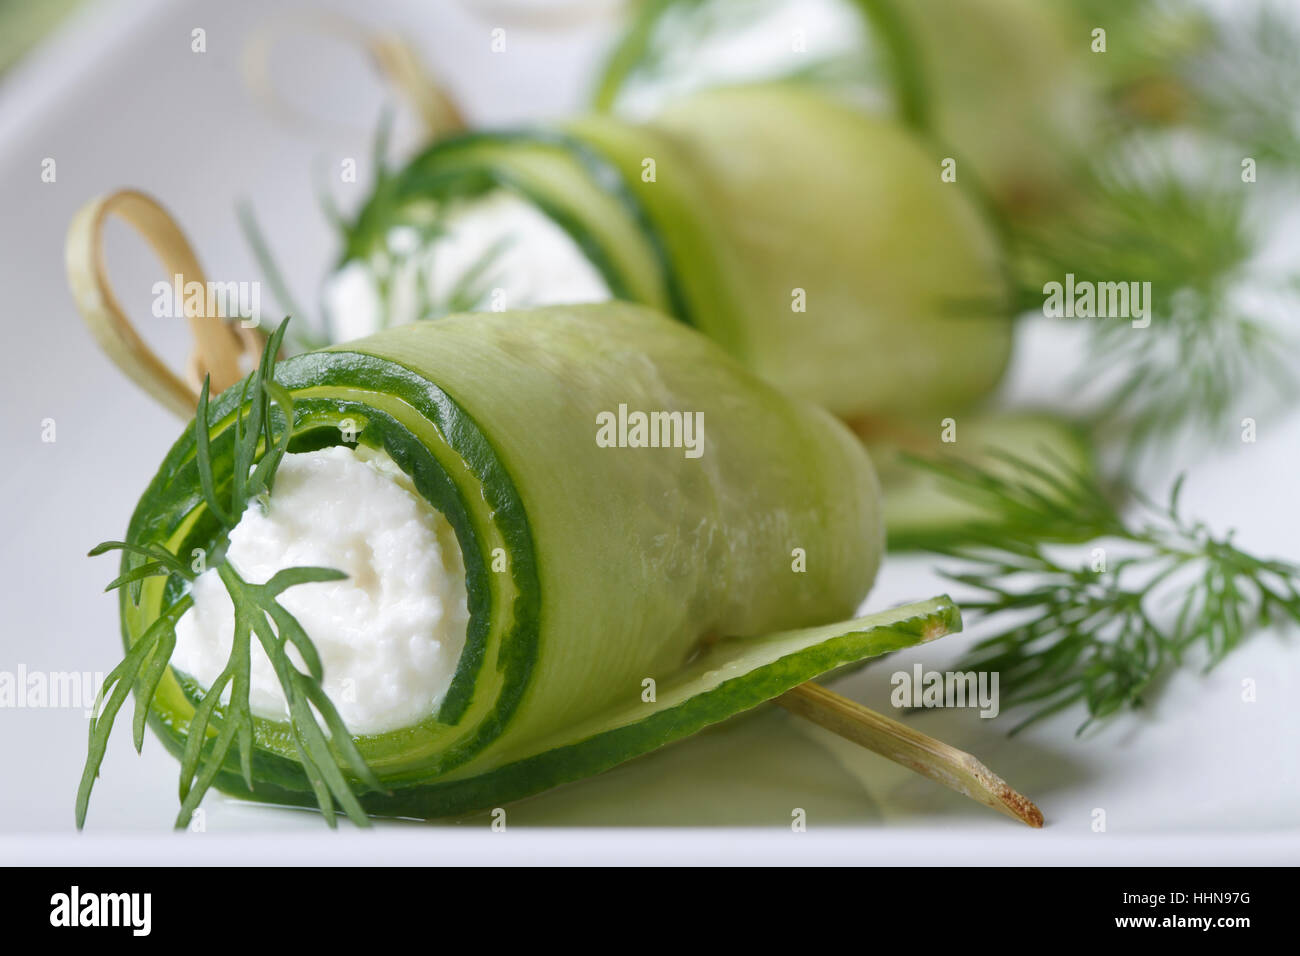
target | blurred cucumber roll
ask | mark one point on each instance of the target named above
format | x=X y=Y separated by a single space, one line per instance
x=818 y=245
x=1002 y=84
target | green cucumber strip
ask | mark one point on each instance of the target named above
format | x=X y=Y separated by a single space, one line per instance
x=868 y=319
x=771 y=664
x=941 y=64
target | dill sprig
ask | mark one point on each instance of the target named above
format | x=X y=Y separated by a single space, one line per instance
x=304 y=337
x=216 y=728
x=1170 y=208
x=1246 y=82
x=1206 y=345
x=1150 y=44
x=1096 y=625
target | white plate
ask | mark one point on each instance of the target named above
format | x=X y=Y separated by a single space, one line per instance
x=117 y=99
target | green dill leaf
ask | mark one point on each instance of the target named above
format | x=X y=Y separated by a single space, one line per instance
x=137 y=574
x=155 y=552
x=203 y=456
x=287 y=626
x=303 y=575
x=307 y=733
x=380 y=147
x=248 y=436
x=303 y=337
x=196 y=733
x=118 y=684
x=151 y=675
x=341 y=737
x=215 y=730
x=1065 y=633
x=1194 y=240
x=264 y=474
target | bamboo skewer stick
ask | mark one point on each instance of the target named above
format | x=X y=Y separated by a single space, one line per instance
x=406 y=71
x=219 y=344
x=910 y=748
x=400 y=66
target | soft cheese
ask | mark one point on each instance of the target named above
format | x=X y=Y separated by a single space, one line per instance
x=390 y=635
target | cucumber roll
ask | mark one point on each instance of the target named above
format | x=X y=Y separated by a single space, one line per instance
x=499 y=552
x=1003 y=84
x=817 y=245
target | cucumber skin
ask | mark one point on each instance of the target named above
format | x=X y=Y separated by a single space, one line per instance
x=517 y=744
x=472 y=162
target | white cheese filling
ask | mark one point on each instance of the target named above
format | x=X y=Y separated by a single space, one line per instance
x=390 y=635
x=496 y=251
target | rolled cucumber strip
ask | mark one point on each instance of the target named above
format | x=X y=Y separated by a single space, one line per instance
x=1002 y=84
x=817 y=245
x=621 y=593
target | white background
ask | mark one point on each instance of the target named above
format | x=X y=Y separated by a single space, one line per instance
x=118 y=99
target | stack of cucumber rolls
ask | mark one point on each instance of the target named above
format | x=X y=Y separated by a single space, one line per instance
x=607 y=422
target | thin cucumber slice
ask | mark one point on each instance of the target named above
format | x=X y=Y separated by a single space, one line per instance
x=733 y=677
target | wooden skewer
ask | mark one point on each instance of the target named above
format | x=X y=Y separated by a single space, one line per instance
x=406 y=71
x=219 y=343
x=222 y=349
x=910 y=748
x=400 y=66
